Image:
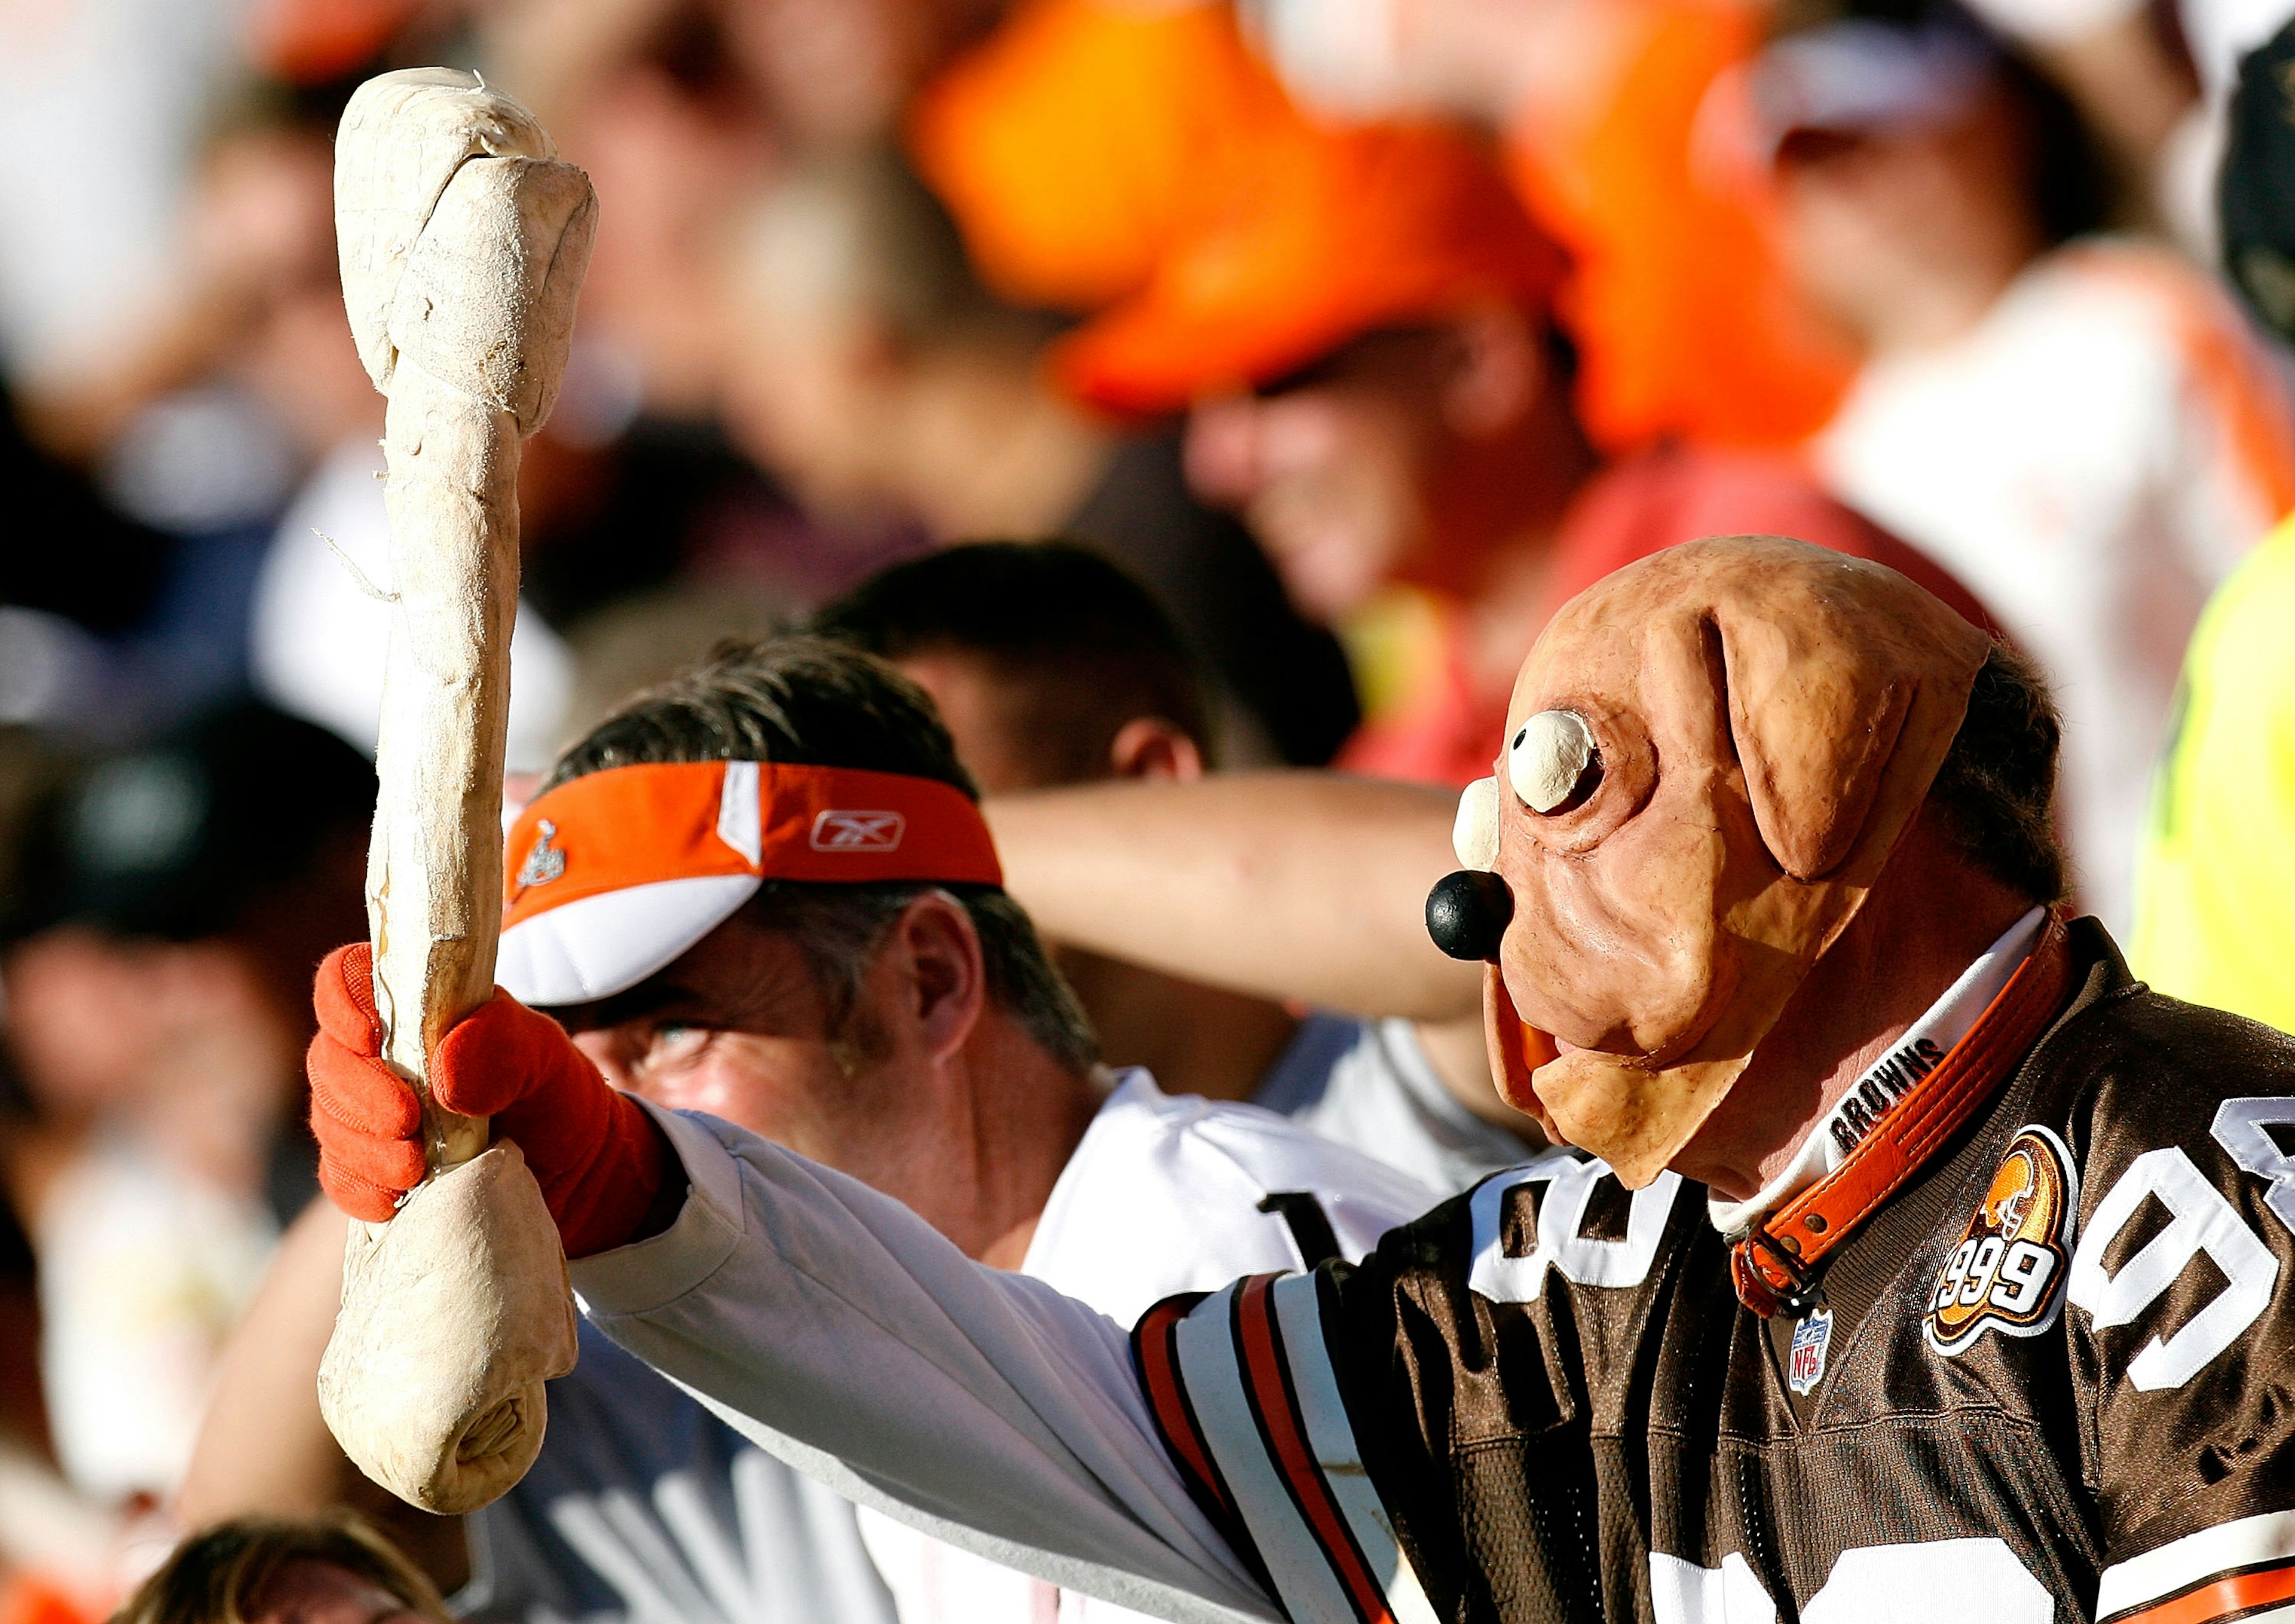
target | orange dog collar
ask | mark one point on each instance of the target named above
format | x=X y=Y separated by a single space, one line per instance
x=611 y=876
x=1775 y=1266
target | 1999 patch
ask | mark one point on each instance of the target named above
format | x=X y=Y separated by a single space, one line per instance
x=2007 y=1274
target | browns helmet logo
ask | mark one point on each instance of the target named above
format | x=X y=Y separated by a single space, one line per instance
x=2008 y=1273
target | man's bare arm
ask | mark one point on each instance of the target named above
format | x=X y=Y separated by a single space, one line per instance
x=1305 y=885
x=262 y=1447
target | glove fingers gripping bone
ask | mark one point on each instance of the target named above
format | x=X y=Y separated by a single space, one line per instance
x=595 y=1158
x=456 y=1307
x=462 y=243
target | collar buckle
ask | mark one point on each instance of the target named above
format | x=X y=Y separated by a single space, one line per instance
x=1770 y=1279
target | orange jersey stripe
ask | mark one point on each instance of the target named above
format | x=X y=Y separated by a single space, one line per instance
x=1159 y=1377
x=1271 y=1398
x=2221 y=1599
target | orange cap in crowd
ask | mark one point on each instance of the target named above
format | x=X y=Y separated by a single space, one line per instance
x=1326 y=235
x=1145 y=161
x=1072 y=143
x=613 y=875
x=1082 y=145
x=309 y=41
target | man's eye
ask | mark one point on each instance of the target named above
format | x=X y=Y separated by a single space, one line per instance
x=673 y=1039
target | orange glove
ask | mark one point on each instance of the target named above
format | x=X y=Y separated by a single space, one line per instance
x=600 y=1159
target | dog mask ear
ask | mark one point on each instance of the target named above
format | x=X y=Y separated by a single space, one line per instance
x=1837 y=715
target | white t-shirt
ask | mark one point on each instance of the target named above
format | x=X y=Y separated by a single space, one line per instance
x=1164 y=1196
x=644 y=1505
x=102 y=104
x=1368 y=1084
x=2091 y=462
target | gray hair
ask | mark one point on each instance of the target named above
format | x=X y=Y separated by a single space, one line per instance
x=802 y=701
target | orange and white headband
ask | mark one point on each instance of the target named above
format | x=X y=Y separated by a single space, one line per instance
x=613 y=875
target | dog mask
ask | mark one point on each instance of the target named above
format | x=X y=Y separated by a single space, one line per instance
x=1710 y=755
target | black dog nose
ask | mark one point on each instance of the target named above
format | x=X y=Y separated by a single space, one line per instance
x=1467 y=913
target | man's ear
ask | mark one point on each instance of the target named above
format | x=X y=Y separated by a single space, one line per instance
x=1150 y=748
x=944 y=979
x=1497 y=371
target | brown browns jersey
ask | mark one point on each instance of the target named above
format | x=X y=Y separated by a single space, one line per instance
x=2053 y=1378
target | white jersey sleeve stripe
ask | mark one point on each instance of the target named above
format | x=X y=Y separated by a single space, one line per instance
x=1299 y=1311
x=2250 y=1542
x=1295 y=1564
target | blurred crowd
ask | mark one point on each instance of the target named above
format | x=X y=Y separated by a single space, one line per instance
x=1360 y=333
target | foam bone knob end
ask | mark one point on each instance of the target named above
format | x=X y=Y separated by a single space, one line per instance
x=1468 y=913
x=454 y=1313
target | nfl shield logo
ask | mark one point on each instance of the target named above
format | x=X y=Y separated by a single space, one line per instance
x=1811 y=1339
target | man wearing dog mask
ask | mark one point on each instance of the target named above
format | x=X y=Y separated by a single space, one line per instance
x=1931 y=1267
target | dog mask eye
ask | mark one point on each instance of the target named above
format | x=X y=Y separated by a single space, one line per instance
x=1551 y=762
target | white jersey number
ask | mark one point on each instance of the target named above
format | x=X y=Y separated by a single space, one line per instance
x=2204 y=1221
x=2243 y=1127
x=1561 y=1220
x=1925 y=1583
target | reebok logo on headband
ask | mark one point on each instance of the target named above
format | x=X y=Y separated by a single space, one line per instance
x=858 y=831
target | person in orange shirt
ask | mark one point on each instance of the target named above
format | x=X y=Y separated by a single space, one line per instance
x=1359 y=334
x=1680 y=304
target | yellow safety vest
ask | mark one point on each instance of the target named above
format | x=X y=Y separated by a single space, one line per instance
x=2214 y=906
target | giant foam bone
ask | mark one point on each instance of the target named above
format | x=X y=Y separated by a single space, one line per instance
x=463 y=240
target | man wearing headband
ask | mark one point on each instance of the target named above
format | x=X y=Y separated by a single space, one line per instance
x=764 y=891
x=1982 y=1309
